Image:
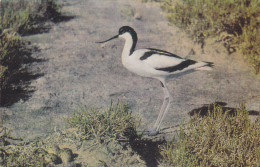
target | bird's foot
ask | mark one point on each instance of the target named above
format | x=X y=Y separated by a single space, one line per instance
x=151 y=132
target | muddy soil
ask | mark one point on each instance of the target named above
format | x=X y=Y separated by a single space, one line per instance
x=78 y=71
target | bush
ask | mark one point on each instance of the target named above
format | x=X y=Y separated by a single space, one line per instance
x=236 y=21
x=218 y=139
x=20 y=18
x=9 y=47
x=9 y=50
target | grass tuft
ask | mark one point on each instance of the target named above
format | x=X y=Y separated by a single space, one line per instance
x=218 y=139
x=116 y=122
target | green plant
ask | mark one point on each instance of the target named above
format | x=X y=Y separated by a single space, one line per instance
x=250 y=42
x=237 y=21
x=15 y=18
x=116 y=122
x=219 y=139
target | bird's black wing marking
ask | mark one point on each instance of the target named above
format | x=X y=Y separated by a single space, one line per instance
x=163 y=52
x=147 y=54
x=178 y=67
x=159 y=52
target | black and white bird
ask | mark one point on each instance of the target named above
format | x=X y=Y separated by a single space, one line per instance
x=155 y=63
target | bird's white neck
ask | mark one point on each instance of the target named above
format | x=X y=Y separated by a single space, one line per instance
x=128 y=44
x=129 y=47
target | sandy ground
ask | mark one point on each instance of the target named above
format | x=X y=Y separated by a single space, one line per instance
x=77 y=71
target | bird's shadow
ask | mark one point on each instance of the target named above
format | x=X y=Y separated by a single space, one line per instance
x=148 y=150
x=207 y=108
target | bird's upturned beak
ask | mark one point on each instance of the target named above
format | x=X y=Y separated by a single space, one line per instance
x=108 y=39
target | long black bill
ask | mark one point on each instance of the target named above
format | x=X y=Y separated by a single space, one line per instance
x=108 y=39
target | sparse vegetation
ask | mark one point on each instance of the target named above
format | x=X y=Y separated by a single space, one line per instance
x=235 y=22
x=218 y=139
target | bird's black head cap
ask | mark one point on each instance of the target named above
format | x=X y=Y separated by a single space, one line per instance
x=130 y=30
x=124 y=29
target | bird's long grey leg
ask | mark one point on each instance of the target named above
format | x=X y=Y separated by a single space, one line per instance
x=169 y=97
x=164 y=105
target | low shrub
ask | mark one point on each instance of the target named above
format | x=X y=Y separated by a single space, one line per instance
x=218 y=139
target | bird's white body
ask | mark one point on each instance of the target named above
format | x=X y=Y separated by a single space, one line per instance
x=148 y=66
x=141 y=68
x=155 y=63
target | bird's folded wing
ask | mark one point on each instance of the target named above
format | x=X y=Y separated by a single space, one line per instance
x=160 y=59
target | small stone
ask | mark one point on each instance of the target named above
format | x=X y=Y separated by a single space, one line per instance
x=52 y=159
x=66 y=155
x=54 y=149
x=138 y=16
x=40 y=152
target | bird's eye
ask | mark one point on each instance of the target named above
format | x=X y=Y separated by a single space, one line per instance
x=121 y=31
